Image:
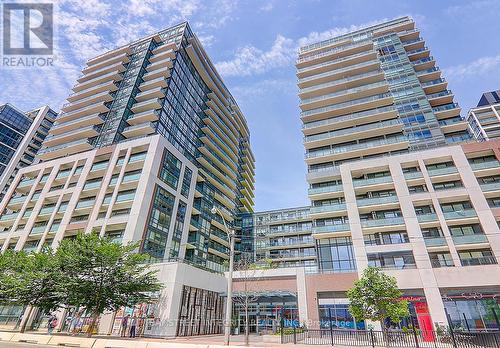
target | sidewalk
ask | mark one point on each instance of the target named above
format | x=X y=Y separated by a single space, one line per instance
x=216 y=341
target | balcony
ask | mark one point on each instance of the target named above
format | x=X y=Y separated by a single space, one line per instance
x=92 y=99
x=337 y=52
x=79 y=133
x=454 y=124
x=485 y=165
x=143 y=117
x=160 y=82
x=85 y=204
x=8 y=217
x=326 y=189
x=89 y=110
x=93 y=65
x=446 y=111
x=439 y=98
x=377 y=201
x=330 y=228
x=111 y=76
x=328 y=208
x=442 y=171
x=26 y=184
x=395 y=221
x=86 y=121
x=478 y=261
x=492 y=186
x=348 y=107
x=435 y=242
x=65 y=149
x=152 y=104
x=372 y=181
x=116 y=67
x=327 y=76
x=150 y=94
x=434 y=86
x=460 y=214
x=413 y=44
x=161 y=64
x=38 y=229
x=470 y=239
x=413 y=175
x=341 y=86
x=350 y=120
x=108 y=86
x=424 y=63
x=429 y=74
x=139 y=130
x=336 y=64
x=161 y=73
x=419 y=53
x=344 y=95
x=368 y=148
x=16 y=202
x=162 y=55
x=352 y=133
x=427 y=217
x=109 y=55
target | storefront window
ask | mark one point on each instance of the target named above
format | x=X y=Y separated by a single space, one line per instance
x=473 y=311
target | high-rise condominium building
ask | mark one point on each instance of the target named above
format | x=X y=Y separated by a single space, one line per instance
x=21 y=136
x=484 y=120
x=148 y=143
x=389 y=187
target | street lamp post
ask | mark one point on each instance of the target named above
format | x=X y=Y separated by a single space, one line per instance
x=229 y=301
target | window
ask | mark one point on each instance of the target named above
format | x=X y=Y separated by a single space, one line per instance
x=417 y=188
x=457 y=206
x=439 y=260
x=483 y=159
x=393 y=260
x=432 y=232
x=440 y=165
x=477 y=257
x=170 y=169
x=336 y=254
x=384 y=238
x=465 y=230
x=186 y=181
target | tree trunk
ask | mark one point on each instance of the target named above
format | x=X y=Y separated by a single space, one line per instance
x=385 y=333
x=247 y=326
x=25 y=319
x=90 y=330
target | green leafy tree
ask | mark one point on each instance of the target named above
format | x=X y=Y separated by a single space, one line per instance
x=101 y=275
x=376 y=296
x=32 y=280
x=7 y=270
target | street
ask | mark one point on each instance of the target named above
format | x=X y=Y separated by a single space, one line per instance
x=21 y=345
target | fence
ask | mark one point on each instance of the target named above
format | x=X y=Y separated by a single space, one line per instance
x=411 y=338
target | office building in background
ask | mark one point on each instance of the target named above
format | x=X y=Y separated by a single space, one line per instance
x=21 y=136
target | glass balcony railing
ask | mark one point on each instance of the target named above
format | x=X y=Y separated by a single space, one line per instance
x=99 y=166
x=328 y=208
x=485 y=165
x=450 y=121
x=136 y=157
x=442 y=263
x=85 y=204
x=433 y=82
x=338 y=71
x=352 y=130
x=342 y=149
x=372 y=181
x=435 y=241
x=131 y=177
x=491 y=186
x=7 y=217
x=26 y=182
x=445 y=107
x=423 y=60
x=439 y=94
x=38 y=229
x=335 y=61
x=353 y=116
x=46 y=210
x=427 y=71
x=470 y=239
x=325 y=189
x=476 y=261
x=377 y=200
x=442 y=171
x=340 y=83
x=383 y=222
x=418 y=50
x=332 y=51
x=17 y=200
x=427 y=217
x=92 y=185
x=413 y=175
x=63 y=174
x=345 y=104
x=123 y=197
x=331 y=228
x=460 y=214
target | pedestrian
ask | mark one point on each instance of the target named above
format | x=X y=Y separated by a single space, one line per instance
x=124 y=325
x=52 y=323
x=133 y=325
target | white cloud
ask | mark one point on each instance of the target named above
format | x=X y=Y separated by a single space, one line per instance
x=250 y=60
x=267 y=7
x=478 y=67
x=206 y=40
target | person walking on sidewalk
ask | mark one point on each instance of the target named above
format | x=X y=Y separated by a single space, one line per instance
x=51 y=324
x=133 y=325
x=124 y=326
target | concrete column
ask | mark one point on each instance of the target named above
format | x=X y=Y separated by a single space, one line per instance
x=302 y=295
x=435 y=305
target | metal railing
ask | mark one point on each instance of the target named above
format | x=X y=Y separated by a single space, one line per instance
x=410 y=337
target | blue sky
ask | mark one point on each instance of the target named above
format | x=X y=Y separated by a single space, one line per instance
x=254 y=45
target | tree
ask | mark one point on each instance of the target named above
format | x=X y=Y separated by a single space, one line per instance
x=376 y=296
x=101 y=275
x=31 y=280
